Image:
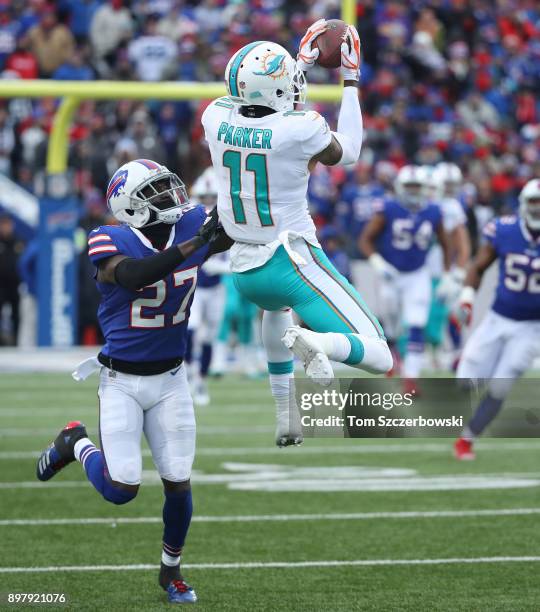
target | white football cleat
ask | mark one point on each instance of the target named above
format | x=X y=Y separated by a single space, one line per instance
x=304 y=345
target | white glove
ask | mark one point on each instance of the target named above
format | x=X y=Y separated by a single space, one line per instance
x=382 y=267
x=307 y=56
x=450 y=285
x=350 y=55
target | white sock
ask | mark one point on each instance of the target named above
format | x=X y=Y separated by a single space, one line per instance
x=170 y=560
x=79 y=445
x=412 y=364
x=334 y=346
x=283 y=392
x=341 y=346
x=467 y=434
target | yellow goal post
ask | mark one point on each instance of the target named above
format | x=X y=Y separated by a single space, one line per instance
x=72 y=93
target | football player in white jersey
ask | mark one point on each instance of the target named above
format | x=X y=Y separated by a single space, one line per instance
x=448 y=181
x=263 y=149
x=444 y=183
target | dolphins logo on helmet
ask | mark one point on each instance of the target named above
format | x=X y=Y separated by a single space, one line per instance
x=273 y=66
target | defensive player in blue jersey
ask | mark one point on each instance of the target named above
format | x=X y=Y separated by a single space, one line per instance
x=507 y=340
x=397 y=241
x=146 y=272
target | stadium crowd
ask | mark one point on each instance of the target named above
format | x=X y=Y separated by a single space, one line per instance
x=452 y=80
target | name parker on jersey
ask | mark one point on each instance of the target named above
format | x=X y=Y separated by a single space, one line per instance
x=249 y=138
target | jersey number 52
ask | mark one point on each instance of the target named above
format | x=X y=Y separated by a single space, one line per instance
x=516 y=278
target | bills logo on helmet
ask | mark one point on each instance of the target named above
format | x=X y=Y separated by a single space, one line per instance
x=117 y=182
x=273 y=66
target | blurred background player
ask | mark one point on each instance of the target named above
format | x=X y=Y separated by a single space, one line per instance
x=333 y=245
x=396 y=241
x=449 y=181
x=237 y=349
x=444 y=184
x=146 y=273
x=207 y=308
x=263 y=151
x=11 y=249
x=507 y=340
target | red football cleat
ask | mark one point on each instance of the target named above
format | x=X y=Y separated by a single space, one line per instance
x=463 y=450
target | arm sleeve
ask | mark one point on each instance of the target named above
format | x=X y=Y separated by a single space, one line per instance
x=135 y=274
x=350 y=126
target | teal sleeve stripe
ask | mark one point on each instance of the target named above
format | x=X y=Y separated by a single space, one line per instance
x=281 y=367
x=233 y=73
x=357 y=350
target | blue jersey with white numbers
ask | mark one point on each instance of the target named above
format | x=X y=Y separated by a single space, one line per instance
x=355 y=210
x=149 y=324
x=518 y=289
x=407 y=235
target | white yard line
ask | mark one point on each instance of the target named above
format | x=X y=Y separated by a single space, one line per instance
x=27 y=412
x=347 y=448
x=255 y=518
x=25 y=432
x=272 y=564
x=277 y=482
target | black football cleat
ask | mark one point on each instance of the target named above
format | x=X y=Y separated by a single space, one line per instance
x=178 y=591
x=61 y=452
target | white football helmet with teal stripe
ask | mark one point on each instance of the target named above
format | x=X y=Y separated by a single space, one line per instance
x=265 y=74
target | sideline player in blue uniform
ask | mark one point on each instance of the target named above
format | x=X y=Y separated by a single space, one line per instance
x=396 y=241
x=507 y=340
x=146 y=272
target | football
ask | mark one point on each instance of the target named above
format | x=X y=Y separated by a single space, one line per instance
x=329 y=44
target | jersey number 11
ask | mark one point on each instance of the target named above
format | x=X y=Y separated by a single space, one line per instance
x=256 y=163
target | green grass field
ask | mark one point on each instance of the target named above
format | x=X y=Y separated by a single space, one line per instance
x=386 y=513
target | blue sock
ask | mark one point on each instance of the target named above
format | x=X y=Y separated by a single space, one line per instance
x=415 y=341
x=206 y=358
x=177 y=511
x=455 y=335
x=92 y=461
x=487 y=410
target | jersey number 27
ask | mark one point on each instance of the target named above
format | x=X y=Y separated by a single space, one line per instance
x=256 y=163
x=157 y=320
